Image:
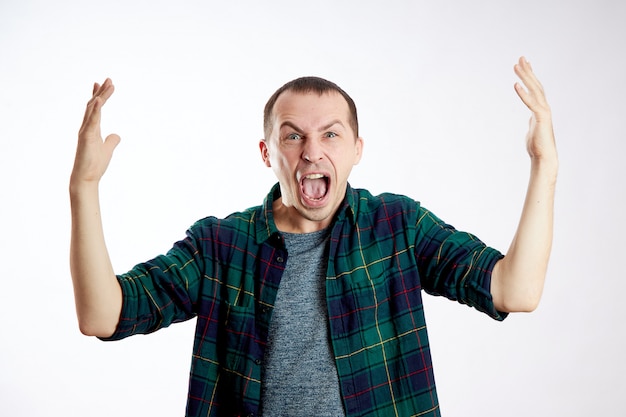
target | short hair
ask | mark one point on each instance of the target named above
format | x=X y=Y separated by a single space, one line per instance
x=307 y=85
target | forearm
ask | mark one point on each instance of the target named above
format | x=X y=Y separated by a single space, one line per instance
x=97 y=292
x=518 y=279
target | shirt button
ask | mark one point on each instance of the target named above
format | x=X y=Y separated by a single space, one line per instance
x=279 y=259
x=258 y=361
x=349 y=388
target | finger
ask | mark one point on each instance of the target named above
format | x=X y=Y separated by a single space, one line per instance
x=535 y=102
x=91 y=121
x=106 y=90
x=100 y=96
x=533 y=94
x=523 y=95
x=524 y=71
x=90 y=104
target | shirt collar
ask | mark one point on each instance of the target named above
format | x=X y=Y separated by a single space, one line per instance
x=266 y=227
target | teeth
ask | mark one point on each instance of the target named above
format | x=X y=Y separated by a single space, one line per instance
x=314 y=176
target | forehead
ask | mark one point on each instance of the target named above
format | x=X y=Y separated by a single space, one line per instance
x=310 y=107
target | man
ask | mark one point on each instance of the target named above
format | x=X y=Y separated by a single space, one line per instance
x=311 y=303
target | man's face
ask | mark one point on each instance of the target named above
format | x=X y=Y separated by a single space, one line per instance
x=312 y=150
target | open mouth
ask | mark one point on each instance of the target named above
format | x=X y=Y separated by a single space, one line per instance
x=314 y=187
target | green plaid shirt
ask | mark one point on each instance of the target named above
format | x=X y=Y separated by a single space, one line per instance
x=384 y=250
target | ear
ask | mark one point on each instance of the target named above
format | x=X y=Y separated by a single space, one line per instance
x=265 y=154
x=358 y=147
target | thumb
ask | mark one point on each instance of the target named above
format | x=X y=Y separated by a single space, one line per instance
x=111 y=142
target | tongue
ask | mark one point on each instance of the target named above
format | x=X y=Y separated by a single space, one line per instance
x=314 y=188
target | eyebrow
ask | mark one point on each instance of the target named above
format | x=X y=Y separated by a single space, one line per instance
x=331 y=124
x=325 y=127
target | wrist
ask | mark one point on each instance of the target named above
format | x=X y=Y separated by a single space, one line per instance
x=79 y=188
x=546 y=167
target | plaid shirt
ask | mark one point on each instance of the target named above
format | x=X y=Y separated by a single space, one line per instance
x=384 y=251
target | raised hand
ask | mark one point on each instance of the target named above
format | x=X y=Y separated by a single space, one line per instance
x=540 y=138
x=92 y=153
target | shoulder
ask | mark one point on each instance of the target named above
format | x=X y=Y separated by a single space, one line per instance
x=241 y=222
x=367 y=203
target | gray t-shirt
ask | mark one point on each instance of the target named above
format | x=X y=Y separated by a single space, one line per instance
x=299 y=374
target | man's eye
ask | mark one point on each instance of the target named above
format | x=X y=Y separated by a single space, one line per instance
x=294 y=136
x=331 y=135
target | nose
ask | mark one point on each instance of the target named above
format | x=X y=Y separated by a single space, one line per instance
x=312 y=151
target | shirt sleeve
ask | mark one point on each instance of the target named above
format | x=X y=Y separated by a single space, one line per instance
x=455 y=264
x=161 y=291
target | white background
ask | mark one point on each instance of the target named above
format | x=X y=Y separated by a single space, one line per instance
x=433 y=81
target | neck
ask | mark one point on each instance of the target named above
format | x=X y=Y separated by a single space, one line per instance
x=289 y=220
